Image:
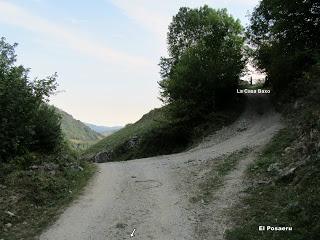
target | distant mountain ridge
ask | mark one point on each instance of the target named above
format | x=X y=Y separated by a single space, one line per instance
x=104 y=130
x=76 y=132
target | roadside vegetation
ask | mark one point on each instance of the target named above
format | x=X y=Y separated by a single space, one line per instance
x=282 y=191
x=35 y=188
x=198 y=88
x=283 y=182
x=214 y=179
x=39 y=173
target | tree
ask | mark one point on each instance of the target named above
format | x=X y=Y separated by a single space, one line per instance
x=47 y=129
x=285 y=34
x=25 y=121
x=204 y=64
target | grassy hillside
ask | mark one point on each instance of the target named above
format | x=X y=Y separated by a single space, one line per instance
x=76 y=132
x=283 y=183
x=154 y=134
x=118 y=141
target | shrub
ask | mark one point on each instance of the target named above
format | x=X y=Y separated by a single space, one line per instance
x=47 y=129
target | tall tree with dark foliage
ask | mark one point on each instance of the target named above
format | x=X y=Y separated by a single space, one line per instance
x=27 y=123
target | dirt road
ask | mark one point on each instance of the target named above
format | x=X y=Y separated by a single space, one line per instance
x=152 y=195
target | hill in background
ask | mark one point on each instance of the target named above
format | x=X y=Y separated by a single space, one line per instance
x=155 y=135
x=104 y=130
x=76 y=132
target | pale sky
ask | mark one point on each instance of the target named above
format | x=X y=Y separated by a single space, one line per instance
x=106 y=52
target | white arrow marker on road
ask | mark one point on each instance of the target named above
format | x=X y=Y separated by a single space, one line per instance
x=132 y=234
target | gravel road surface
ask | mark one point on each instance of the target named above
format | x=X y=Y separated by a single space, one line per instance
x=152 y=195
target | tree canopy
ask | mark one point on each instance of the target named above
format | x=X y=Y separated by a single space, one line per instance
x=205 y=61
x=285 y=34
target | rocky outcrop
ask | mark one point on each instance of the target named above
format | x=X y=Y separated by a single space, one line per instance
x=132 y=142
x=111 y=155
x=105 y=156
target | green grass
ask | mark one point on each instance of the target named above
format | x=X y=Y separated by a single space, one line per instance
x=36 y=188
x=215 y=178
x=284 y=180
x=155 y=135
x=275 y=199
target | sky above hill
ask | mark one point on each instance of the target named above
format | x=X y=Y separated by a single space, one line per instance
x=106 y=52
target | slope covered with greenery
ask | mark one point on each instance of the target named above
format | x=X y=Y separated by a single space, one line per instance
x=76 y=132
x=283 y=183
x=154 y=134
